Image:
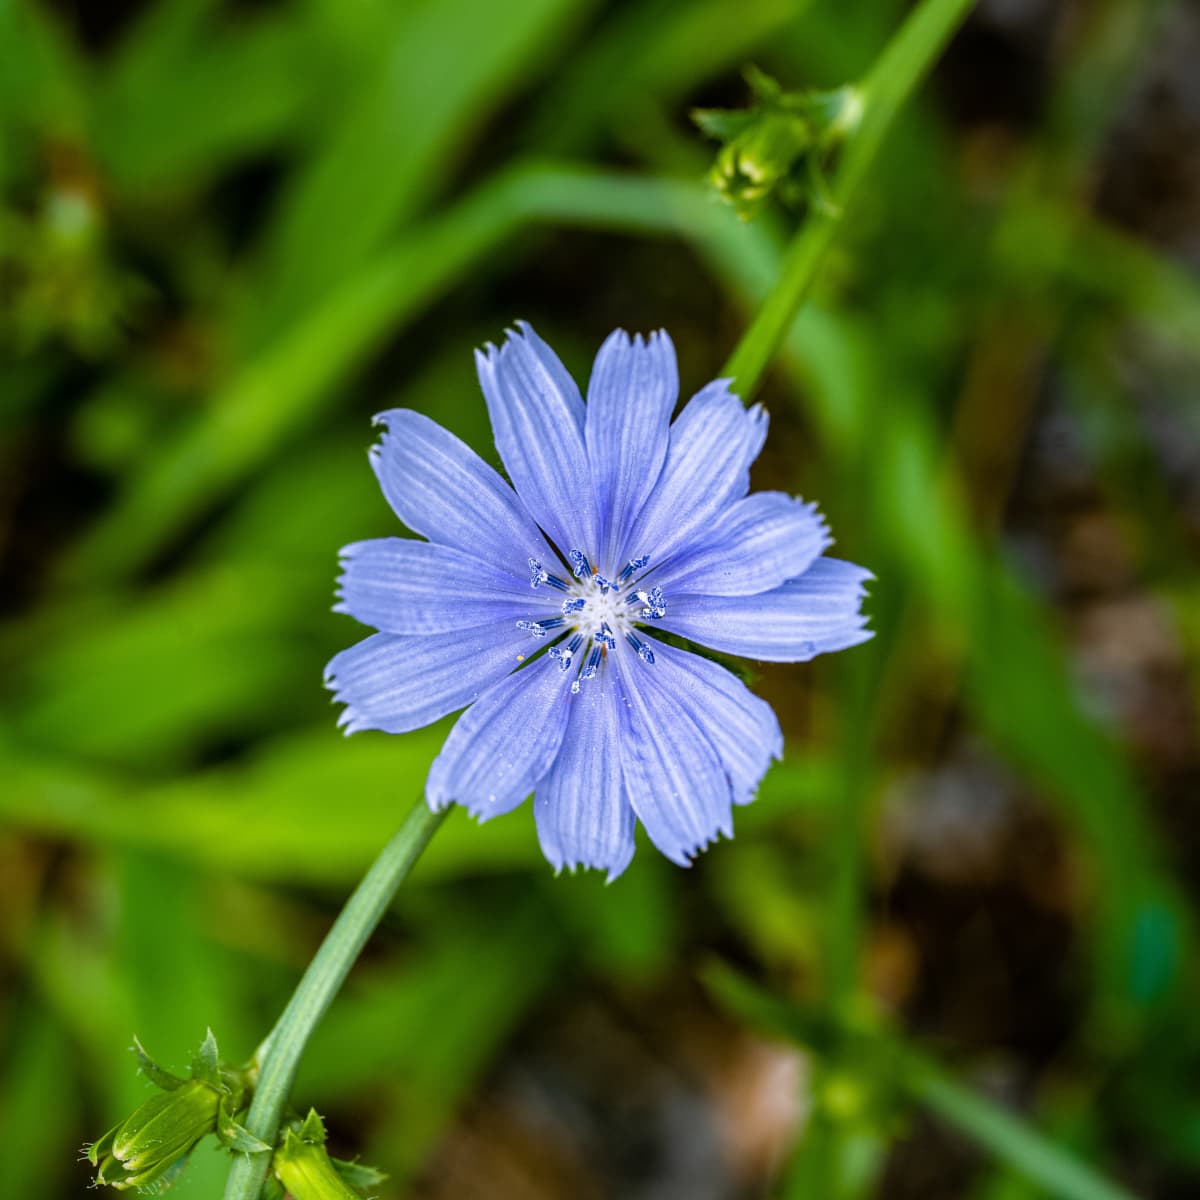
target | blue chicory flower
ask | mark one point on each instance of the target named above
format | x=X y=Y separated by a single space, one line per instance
x=619 y=521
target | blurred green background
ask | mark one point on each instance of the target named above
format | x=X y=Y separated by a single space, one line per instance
x=230 y=232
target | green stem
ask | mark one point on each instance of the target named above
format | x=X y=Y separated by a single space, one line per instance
x=902 y=65
x=279 y=1055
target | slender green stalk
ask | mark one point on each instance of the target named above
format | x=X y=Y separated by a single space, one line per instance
x=279 y=1055
x=902 y=65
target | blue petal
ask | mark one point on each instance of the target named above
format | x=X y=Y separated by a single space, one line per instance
x=537 y=418
x=504 y=744
x=713 y=442
x=758 y=543
x=583 y=816
x=673 y=776
x=742 y=728
x=631 y=396
x=401 y=683
x=400 y=585
x=440 y=488
x=811 y=615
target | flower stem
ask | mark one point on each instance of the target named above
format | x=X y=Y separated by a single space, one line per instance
x=904 y=62
x=279 y=1056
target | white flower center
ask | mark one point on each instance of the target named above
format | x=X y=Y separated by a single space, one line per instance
x=596 y=612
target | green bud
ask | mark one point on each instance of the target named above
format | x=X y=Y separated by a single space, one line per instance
x=148 y=1149
x=306 y=1170
x=145 y=1146
x=754 y=163
x=779 y=146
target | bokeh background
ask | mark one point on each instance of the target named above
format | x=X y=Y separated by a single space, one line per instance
x=230 y=232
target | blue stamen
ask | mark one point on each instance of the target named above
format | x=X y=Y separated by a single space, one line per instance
x=564 y=655
x=605 y=636
x=539 y=575
x=539 y=629
x=574 y=606
x=632 y=567
x=579 y=563
x=589 y=668
x=643 y=651
x=605 y=585
x=655 y=603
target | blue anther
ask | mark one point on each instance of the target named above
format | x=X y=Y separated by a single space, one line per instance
x=579 y=563
x=605 y=636
x=540 y=628
x=574 y=606
x=643 y=651
x=632 y=567
x=564 y=654
x=655 y=603
x=539 y=575
x=605 y=585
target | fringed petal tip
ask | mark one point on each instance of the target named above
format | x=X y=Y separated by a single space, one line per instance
x=613 y=867
x=387 y=415
x=349 y=721
x=685 y=856
x=521 y=333
x=436 y=803
x=351 y=549
x=656 y=339
x=480 y=811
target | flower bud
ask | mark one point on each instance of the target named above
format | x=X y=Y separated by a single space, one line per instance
x=306 y=1170
x=148 y=1149
x=780 y=145
x=157 y=1136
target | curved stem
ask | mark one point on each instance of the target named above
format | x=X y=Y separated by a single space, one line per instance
x=904 y=62
x=279 y=1055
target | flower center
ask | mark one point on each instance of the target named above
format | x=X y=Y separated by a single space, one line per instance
x=596 y=613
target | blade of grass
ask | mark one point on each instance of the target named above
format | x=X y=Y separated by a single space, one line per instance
x=1005 y=1136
